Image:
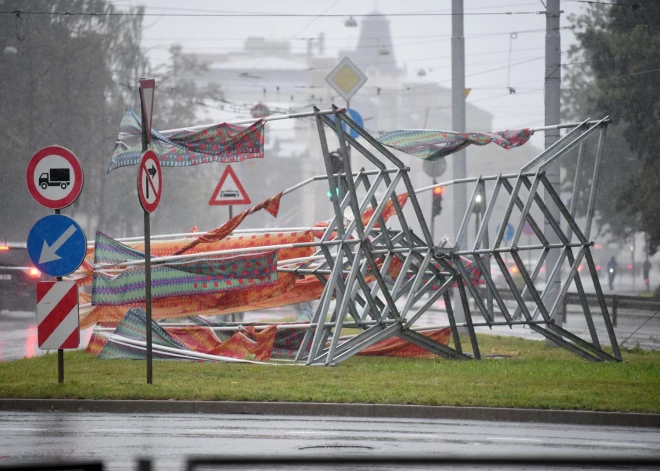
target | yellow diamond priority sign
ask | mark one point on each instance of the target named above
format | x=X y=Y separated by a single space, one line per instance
x=346 y=79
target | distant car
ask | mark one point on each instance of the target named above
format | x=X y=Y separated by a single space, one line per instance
x=18 y=279
x=529 y=264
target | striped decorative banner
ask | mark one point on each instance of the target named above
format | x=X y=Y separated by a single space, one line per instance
x=57 y=315
x=224 y=143
x=183 y=278
x=433 y=145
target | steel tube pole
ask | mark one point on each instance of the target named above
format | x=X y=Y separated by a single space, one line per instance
x=147 y=250
x=60 y=352
x=552 y=96
x=459 y=167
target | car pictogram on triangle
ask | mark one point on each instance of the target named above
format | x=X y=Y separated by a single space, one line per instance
x=229 y=191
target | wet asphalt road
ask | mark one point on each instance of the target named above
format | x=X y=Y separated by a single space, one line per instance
x=18 y=329
x=168 y=439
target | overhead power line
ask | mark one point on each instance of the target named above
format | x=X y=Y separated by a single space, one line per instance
x=261 y=15
x=344 y=38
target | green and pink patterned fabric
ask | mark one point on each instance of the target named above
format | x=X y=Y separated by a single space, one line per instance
x=224 y=143
x=434 y=145
x=177 y=278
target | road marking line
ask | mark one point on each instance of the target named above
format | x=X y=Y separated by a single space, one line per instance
x=3 y=429
x=310 y=432
x=101 y=430
x=632 y=445
x=218 y=431
x=415 y=435
x=515 y=439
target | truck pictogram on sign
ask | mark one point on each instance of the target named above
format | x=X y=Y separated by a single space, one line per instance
x=55 y=177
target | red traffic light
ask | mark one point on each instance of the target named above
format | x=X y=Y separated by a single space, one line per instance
x=438 y=190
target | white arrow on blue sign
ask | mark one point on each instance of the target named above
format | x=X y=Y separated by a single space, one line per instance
x=57 y=245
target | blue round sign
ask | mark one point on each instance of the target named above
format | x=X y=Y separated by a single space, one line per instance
x=355 y=116
x=57 y=245
x=509 y=231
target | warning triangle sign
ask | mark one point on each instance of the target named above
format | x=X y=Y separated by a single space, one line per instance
x=229 y=190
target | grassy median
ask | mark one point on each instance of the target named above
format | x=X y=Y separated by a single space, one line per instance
x=530 y=375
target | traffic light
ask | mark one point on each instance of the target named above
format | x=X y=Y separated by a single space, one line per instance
x=330 y=194
x=337 y=164
x=437 y=200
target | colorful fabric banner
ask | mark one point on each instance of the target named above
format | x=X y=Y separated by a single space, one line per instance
x=434 y=145
x=180 y=278
x=245 y=344
x=289 y=287
x=224 y=143
x=396 y=347
x=272 y=205
x=388 y=211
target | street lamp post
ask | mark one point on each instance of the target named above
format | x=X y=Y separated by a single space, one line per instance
x=477 y=211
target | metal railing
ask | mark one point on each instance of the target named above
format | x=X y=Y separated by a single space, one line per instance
x=613 y=301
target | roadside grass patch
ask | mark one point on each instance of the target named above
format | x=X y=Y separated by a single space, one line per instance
x=530 y=375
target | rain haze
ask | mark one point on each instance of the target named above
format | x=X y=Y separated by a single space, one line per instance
x=218 y=62
x=282 y=62
x=201 y=200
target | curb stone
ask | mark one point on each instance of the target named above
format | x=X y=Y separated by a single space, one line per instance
x=572 y=417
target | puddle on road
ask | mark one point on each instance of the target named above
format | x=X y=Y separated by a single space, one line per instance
x=19 y=336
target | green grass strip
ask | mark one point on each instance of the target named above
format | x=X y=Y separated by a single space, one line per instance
x=532 y=376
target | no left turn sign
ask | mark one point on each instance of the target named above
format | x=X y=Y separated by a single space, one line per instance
x=150 y=181
x=54 y=177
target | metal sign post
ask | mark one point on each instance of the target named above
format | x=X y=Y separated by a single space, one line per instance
x=151 y=198
x=54 y=178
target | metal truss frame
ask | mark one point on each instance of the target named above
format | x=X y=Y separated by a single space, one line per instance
x=355 y=255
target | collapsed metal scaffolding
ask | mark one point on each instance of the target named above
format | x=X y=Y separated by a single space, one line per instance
x=354 y=256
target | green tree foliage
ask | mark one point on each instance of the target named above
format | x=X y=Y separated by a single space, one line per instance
x=180 y=101
x=66 y=80
x=58 y=80
x=617 y=74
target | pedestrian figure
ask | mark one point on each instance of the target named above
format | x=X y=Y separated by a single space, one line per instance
x=611 y=272
x=646 y=268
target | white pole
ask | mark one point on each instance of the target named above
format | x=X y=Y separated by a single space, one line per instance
x=458 y=124
x=306 y=114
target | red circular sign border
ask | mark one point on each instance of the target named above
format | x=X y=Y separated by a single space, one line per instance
x=77 y=171
x=151 y=155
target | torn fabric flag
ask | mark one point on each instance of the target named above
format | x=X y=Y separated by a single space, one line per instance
x=434 y=145
x=272 y=205
x=224 y=143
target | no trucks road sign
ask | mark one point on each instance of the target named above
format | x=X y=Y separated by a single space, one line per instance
x=54 y=177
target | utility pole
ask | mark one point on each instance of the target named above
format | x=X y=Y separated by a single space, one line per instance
x=458 y=125
x=552 y=117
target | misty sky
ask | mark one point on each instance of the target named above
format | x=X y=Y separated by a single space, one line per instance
x=419 y=42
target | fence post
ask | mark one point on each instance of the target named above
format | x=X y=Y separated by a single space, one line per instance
x=615 y=307
x=564 y=313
